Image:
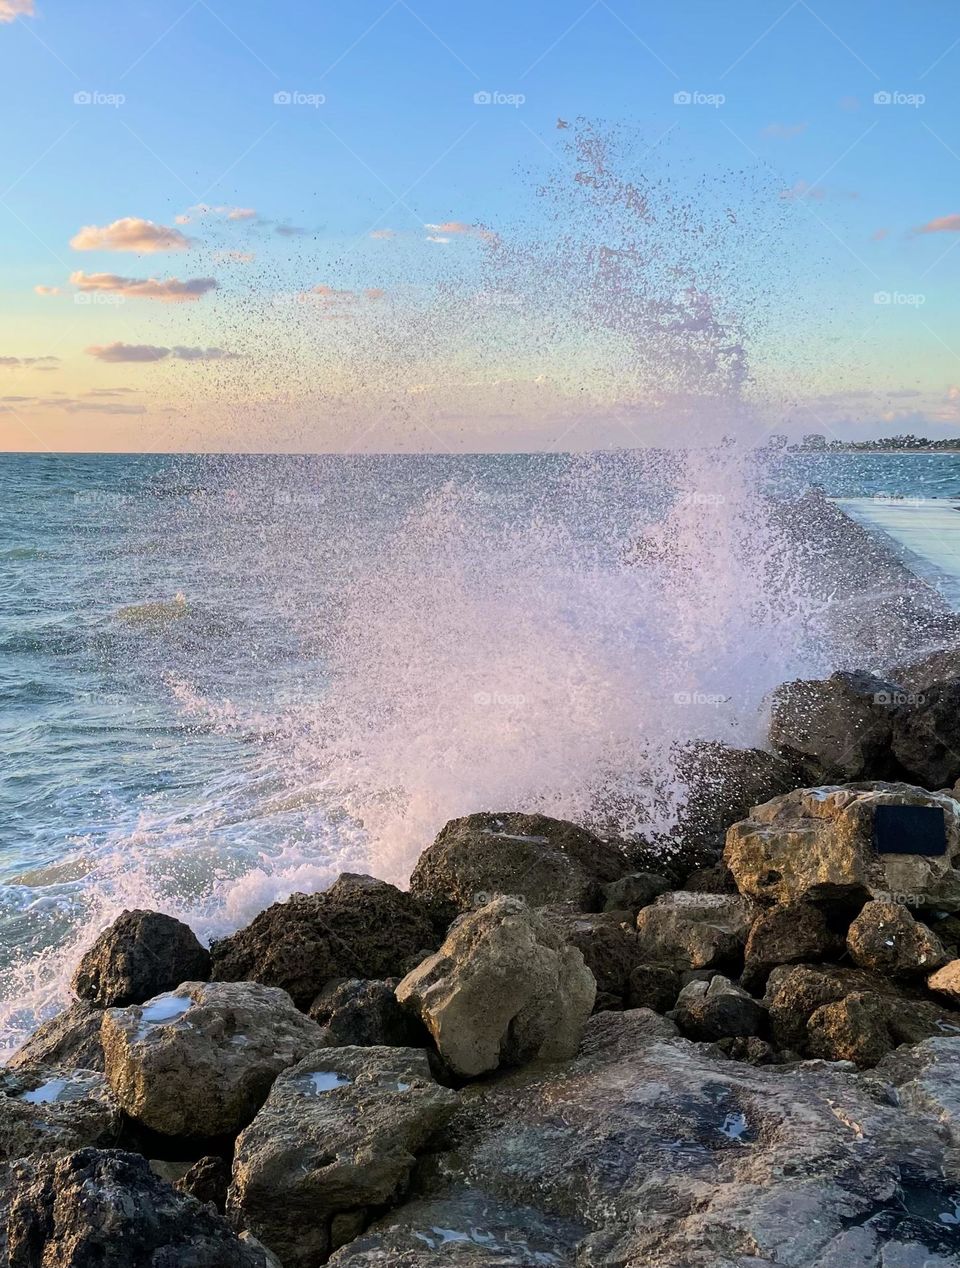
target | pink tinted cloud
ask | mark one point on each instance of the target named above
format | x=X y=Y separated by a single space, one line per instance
x=10 y=10
x=172 y=291
x=148 y=352
x=130 y=234
x=47 y=290
x=944 y=224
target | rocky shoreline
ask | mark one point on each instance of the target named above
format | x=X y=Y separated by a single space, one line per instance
x=554 y=1049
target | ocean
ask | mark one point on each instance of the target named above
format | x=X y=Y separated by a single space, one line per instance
x=224 y=679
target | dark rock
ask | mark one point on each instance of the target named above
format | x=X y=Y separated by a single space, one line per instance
x=207 y=1181
x=749 y=1049
x=793 y=934
x=717 y=879
x=634 y=891
x=886 y=938
x=653 y=986
x=366 y=1014
x=718 y=1010
x=533 y=857
x=338 y=1135
x=98 y=1208
x=839 y=728
x=607 y=944
x=358 y=928
x=854 y=1028
x=44 y=1111
x=927 y=671
x=142 y=954
x=70 y=1040
x=926 y=737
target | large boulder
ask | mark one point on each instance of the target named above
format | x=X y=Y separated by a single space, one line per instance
x=693 y=930
x=718 y=1010
x=817 y=845
x=533 y=857
x=633 y=891
x=926 y=736
x=838 y=728
x=70 y=1040
x=358 y=928
x=366 y=1015
x=946 y=981
x=95 y=1208
x=43 y=1110
x=142 y=954
x=648 y=1150
x=928 y=1082
x=199 y=1062
x=338 y=1135
x=886 y=938
x=795 y=934
x=855 y=1028
x=503 y=989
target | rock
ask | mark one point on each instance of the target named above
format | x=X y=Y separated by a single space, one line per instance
x=887 y=939
x=358 y=928
x=207 y=1180
x=338 y=1135
x=946 y=981
x=648 y=1150
x=654 y=986
x=839 y=728
x=926 y=737
x=794 y=995
x=750 y=1049
x=717 y=879
x=694 y=931
x=366 y=1014
x=71 y=1040
x=855 y=1028
x=503 y=989
x=43 y=1110
x=142 y=954
x=928 y=1082
x=607 y=944
x=787 y=935
x=634 y=891
x=917 y=675
x=816 y=845
x=718 y=1010
x=533 y=857
x=95 y=1208
x=200 y=1061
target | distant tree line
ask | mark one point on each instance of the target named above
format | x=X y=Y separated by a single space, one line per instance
x=814 y=442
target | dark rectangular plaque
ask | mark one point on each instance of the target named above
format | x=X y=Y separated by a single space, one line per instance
x=909 y=830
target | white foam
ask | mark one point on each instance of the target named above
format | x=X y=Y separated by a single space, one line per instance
x=46 y=1093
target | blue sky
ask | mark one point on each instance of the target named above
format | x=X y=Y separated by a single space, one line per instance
x=143 y=111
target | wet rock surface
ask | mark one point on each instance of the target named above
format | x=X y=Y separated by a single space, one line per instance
x=45 y=1110
x=199 y=1062
x=926 y=737
x=98 y=1208
x=533 y=857
x=816 y=845
x=366 y=1014
x=142 y=954
x=70 y=1040
x=694 y=931
x=336 y=1140
x=503 y=989
x=358 y=928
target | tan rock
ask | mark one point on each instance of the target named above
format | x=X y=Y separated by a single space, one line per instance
x=694 y=930
x=946 y=981
x=886 y=938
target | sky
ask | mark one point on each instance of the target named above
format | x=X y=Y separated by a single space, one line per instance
x=308 y=226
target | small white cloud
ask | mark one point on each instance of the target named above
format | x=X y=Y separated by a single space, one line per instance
x=10 y=10
x=130 y=234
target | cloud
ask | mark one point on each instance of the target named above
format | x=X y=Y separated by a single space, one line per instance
x=460 y=229
x=291 y=231
x=172 y=291
x=235 y=257
x=47 y=290
x=337 y=303
x=10 y=10
x=202 y=209
x=148 y=352
x=40 y=362
x=784 y=131
x=945 y=224
x=383 y=235
x=130 y=234
x=878 y=235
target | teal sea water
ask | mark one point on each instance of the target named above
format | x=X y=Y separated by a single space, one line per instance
x=170 y=628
